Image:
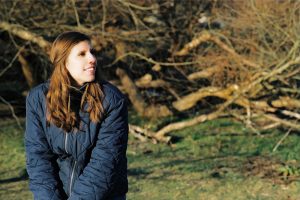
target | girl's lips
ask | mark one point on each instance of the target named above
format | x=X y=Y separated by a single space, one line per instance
x=90 y=69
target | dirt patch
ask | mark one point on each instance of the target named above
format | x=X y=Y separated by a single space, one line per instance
x=272 y=169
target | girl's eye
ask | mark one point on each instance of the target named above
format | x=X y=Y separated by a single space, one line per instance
x=82 y=54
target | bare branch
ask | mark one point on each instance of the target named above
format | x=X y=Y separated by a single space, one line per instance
x=281 y=140
x=138 y=103
x=207 y=36
x=294 y=125
x=150 y=60
x=23 y=33
x=12 y=62
x=12 y=111
x=144 y=135
x=76 y=13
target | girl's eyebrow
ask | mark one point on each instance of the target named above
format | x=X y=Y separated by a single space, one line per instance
x=81 y=51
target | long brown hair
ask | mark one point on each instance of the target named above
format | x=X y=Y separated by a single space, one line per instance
x=58 y=98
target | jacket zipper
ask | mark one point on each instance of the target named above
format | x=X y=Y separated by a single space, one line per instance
x=72 y=175
x=66 y=141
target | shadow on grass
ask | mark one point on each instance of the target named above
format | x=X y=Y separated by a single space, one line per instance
x=187 y=165
x=22 y=177
x=137 y=172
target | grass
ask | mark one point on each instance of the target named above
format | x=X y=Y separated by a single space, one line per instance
x=13 y=181
x=218 y=159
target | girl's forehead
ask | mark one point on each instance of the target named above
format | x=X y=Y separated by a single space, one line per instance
x=83 y=45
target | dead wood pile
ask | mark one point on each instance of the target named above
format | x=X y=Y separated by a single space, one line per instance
x=206 y=60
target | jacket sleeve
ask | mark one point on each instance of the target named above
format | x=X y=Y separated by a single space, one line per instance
x=40 y=161
x=99 y=176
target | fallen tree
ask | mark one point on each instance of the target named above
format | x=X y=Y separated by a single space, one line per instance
x=178 y=60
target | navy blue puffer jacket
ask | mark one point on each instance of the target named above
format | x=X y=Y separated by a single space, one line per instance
x=87 y=164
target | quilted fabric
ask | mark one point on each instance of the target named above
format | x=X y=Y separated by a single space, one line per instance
x=88 y=164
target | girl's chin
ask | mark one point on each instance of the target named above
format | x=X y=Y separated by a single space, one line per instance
x=87 y=80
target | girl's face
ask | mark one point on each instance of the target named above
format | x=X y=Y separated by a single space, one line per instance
x=81 y=63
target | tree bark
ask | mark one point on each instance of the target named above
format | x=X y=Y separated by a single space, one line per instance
x=137 y=101
x=26 y=69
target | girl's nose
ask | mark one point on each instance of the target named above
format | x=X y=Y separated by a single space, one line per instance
x=92 y=58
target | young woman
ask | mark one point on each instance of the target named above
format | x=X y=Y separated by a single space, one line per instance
x=76 y=129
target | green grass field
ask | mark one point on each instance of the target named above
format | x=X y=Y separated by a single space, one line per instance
x=218 y=159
